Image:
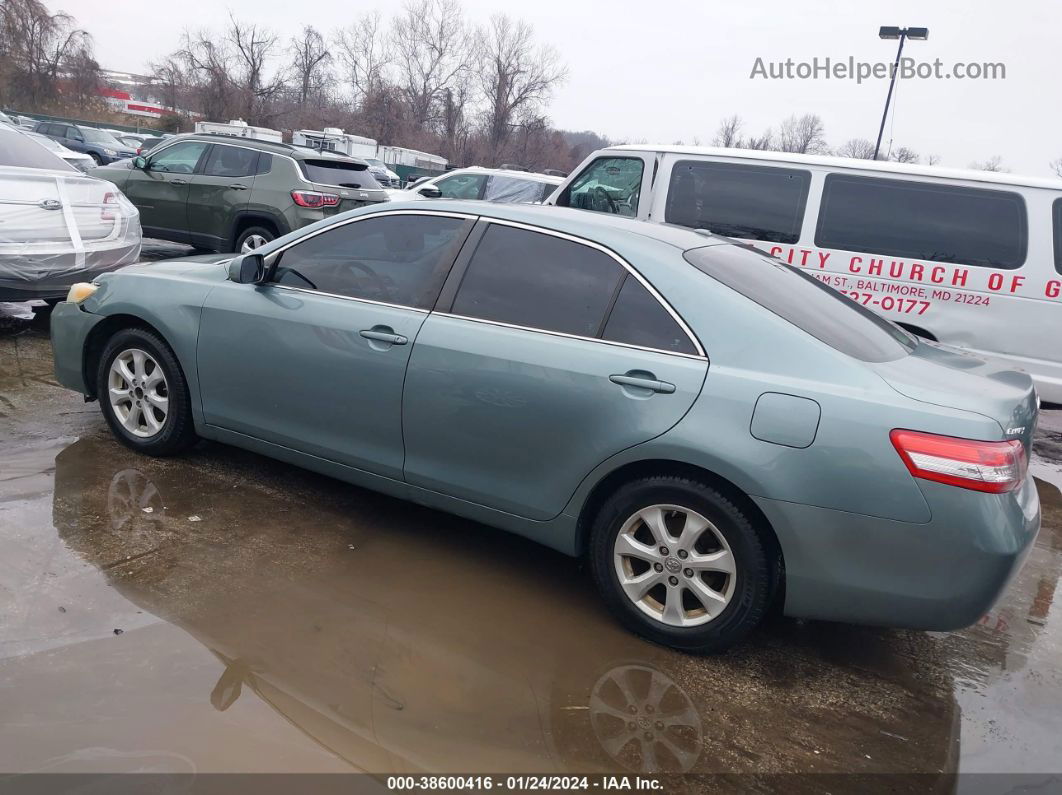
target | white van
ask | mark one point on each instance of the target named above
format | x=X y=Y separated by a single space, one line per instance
x=968 y=258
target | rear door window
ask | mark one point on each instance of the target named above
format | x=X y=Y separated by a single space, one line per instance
x=637 y=318
x=607 y=185
x=231 y=161
x=923 y=220
x=738 y=200
x=538 y=281
x=501 y=188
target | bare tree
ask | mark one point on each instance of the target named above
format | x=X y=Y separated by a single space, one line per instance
x=434 y=46
x=34 y=46
x=515 y=76
x=365 y=55
x=905 y=155
x=858 y=148
x=804 y=135
x=932 y=160
x=729 y=132
x=253 y=47
x=169 y=81
x=994 y=163
x=763 y=143
x=1056 y=166
x=209 y=68
x=310 y=61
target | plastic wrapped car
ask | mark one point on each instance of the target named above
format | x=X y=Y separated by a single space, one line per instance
x=57 y=225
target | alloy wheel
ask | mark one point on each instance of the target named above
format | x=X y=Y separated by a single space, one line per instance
x=674 y=565
x=138 y=393
x=252 y=242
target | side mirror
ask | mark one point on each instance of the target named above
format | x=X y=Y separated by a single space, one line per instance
x=140 y=162
x=248 y=269
x=430 y=192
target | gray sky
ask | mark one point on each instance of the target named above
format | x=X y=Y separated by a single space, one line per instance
x=671 y=69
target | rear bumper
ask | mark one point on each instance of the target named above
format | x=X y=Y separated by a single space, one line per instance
x=71 y=326
x=941 y=575
x=50 y=274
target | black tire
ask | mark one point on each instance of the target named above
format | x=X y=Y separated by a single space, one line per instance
x=754 y=578
x=177 y=432
x=262 y=231
x=97 y=158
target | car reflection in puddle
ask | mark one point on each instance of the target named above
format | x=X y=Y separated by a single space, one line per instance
x=404 y=640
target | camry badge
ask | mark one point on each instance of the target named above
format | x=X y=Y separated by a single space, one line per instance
x=50 y=204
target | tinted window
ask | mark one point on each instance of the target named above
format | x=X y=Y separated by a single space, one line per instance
x=231 y=161
x=265 y=162
x=638 y=319
x=1058 y=234
x=608 y=185
x=179 y=158
x=920 y=220
x=461 y=186
x=804 y=301
x=94 y=136
x=539 y=281
x=17 y=149
x=344 y=173
x=753 y=202
x=399 y=259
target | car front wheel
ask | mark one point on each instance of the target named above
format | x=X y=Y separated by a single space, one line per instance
x=143 y=393
x=680 y=564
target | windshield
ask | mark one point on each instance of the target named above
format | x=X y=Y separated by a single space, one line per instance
x=804 y=301
x=95 y=136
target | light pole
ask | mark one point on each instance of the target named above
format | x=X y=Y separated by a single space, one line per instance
x=917 y=34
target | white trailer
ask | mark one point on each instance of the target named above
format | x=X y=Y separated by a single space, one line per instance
x=238 y=128
x=333 y=139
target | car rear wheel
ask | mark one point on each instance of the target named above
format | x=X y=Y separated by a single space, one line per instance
x=253 y=237
x=143 y=393
x=680 y=564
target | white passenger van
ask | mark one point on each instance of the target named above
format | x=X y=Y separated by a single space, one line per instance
x=968 y=258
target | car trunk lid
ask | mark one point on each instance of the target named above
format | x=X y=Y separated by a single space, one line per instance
x=948 y=377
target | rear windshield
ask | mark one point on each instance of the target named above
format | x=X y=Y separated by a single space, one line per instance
x=345 y=173
x=17 y=149
x=804 y=301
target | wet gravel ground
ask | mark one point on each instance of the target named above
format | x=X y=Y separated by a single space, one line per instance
x=225 y=612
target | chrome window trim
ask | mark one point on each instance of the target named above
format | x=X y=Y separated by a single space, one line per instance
x=626 y=266
x=269 y=259
x=348 y=298
x=564 y=334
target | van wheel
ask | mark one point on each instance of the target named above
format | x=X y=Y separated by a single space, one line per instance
x=144 y=395
x=680 y=564
x=253 y=237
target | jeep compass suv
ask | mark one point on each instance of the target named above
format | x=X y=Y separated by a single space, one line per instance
x=223 y=193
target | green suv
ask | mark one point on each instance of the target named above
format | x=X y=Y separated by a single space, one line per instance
x=222 y=193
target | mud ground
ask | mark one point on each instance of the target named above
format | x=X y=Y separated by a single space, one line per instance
x=225 y=612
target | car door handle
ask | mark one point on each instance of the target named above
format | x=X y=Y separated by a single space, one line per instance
x=237 y=186
x=640 y=382
x=178 y=181
x=379 y=335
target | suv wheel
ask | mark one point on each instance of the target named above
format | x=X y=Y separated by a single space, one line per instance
x=680 y=564
x=96 y=158
x=253 y=237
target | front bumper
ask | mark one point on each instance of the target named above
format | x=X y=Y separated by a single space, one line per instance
x=71 y=326
x=941 y=575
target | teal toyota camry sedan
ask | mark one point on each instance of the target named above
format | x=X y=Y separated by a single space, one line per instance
x=713 y=431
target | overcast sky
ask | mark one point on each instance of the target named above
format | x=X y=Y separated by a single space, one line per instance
x=671 y=69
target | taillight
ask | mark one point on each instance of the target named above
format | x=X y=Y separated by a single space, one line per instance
x=309 y=198
x=994 y=467
x=110 y=202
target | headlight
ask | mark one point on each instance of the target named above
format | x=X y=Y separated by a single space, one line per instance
x=80 y=291
x=109 y=152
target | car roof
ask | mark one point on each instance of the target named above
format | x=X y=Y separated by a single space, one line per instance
x=531 y=175
x=597 y=227
x=846 y=163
